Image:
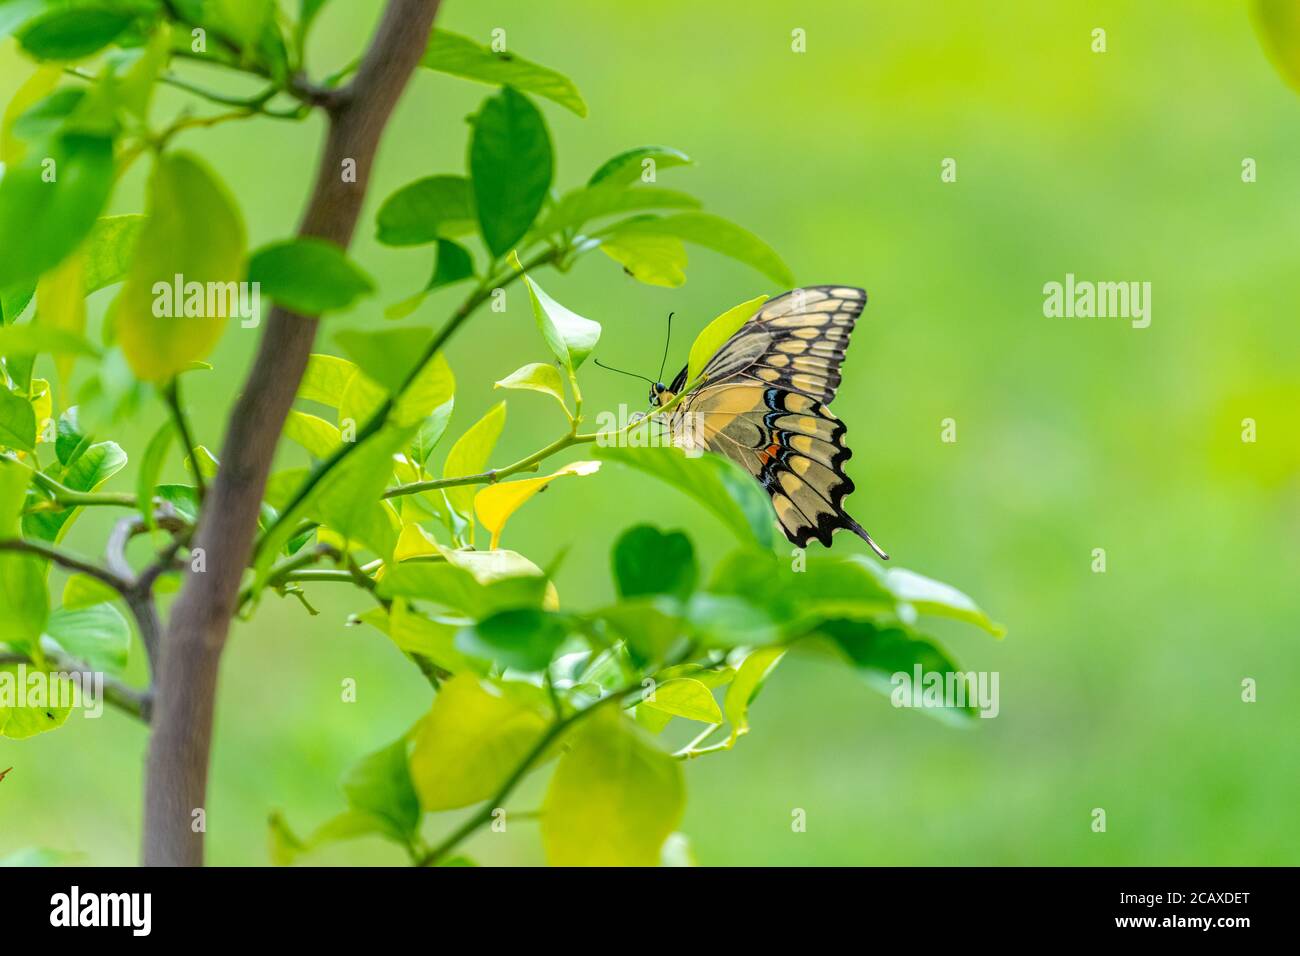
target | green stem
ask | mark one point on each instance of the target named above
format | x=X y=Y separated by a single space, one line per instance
x=171 y=392
x=481 y=294
x=70 y=498
x=484 y=815
x=532 y=461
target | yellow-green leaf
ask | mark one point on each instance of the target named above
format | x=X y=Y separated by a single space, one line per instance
x=194 y=231
x=473 y=738
x=569 y=336
x=61 y=304
x=745 y=687
x=496 y=503
x=654 y=260
x=685 y=697
x=24 y=603
x=614 y=799
x=469 y=456
x=536 y=377
x=712 y=337
x=1278 y=24
x=318 y=436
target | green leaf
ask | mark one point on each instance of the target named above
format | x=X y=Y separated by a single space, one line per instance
x=878 y=653
x=511 y=164
x=568 y=335
x=712 y=232
x=33 y=339
x=452 y=264
x=934 y=597
x=318 y=436
x=649 y=626
x=614 y=799
x=685 y=697
x=51 y=200
x=744 y=688
x=308 y=276
x=73 y=31
x=717 y=332
x=17 y=421
x=586 y=203
x=719 y=484
x=469 y=456
x=654 y=260
x=151 y=465
x=431 y=431
x=32 y=718
x=347 y=500
x=326 y=379
x=629 y=165
x=109 y=248
x=83 y=591
x=472 y=739
x=388 y=356
x=24 y=603
x=431 y=389
x=460 y=56
x=98 y=635
x=70 y=440
x=457 y=589
x=524 y=638
x=430 y=637
x=380 y=785
x=1278 y=24
x=436 y=207
x=725 y=620
x=182 y=192
x=650 y=561
x=536 y=377
x=14 y=13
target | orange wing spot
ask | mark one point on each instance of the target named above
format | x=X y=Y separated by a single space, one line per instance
x=768 y=453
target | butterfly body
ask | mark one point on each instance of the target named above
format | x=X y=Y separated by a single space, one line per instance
x=762 y=402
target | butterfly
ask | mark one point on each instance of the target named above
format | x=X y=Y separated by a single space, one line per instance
x=763 y=404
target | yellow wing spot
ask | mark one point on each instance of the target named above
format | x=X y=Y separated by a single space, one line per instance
x=802 y=319
x=778 y=360
x=806 y=333
x=811 y=363
x=799 y=465
x=793 y=346
x=814 y=384
x=791 y=483
x=790 y=516
x=794 y=402
x=768 y=374
x=845 y=293
x=803 y=443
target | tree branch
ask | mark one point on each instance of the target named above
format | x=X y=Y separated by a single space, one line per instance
x=176 y=774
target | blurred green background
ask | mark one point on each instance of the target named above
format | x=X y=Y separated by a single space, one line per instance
x=1119 y=690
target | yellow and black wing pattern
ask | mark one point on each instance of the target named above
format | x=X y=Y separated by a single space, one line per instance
x=764 y=402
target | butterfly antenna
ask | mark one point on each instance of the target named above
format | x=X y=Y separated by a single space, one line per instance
x=621 y=371
x=668 y=339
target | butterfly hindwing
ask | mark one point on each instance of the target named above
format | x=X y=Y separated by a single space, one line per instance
x=764 y=405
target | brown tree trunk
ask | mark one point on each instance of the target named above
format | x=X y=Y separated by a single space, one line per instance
x=177 y=769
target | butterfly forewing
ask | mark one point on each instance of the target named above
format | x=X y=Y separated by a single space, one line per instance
x=763 y=405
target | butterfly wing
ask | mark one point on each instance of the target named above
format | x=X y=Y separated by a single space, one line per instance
x=764 y=405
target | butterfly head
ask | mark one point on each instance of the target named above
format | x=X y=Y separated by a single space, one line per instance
x=659 y=395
